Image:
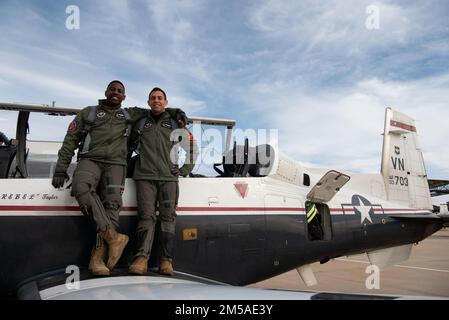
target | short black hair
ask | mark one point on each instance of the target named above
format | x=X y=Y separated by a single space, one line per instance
x=157 y=89
x=116 y=81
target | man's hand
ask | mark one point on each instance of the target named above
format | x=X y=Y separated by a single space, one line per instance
x=178 y=115
x=58 y=179
x=181 y=118
x=174 y=169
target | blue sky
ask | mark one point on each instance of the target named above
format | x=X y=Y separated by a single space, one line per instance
x=311 y=69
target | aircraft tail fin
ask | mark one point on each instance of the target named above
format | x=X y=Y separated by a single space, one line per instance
x=403 y=167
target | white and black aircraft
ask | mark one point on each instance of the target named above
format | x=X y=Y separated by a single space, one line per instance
x=246 y=224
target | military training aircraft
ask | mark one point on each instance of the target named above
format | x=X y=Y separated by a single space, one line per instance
x=261 y=215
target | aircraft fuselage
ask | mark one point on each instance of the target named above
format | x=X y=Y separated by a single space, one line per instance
x=233 y=230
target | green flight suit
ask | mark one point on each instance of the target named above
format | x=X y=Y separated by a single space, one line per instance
x=156 y=186
x=98 y=180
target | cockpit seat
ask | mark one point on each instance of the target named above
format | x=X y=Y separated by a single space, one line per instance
x=244 y=161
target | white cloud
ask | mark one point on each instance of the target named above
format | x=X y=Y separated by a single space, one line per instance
x=309 y=68
x=318 y=43
x=168 y=67
x=172 y=46
x=189 y=105
x=4 y=82
x=342 y=129
x=118 y=9
x=61 y=85
x=172 y=18
x=328 y=78
x=312 y=23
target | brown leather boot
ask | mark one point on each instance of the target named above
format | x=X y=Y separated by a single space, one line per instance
x=139 y=265
x=96 y=264
x=166 y=268
x=117 y=242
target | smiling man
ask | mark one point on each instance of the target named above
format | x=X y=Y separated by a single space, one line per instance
x=100 y=133
x=156 y=175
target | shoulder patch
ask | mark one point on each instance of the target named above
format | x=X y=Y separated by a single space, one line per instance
x=72 y=126
x=101 y=114
x=191 y=137
x=148 y=124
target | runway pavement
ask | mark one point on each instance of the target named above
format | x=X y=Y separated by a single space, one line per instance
x=426 y=273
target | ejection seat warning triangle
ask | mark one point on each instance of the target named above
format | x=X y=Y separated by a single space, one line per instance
x=242 y=188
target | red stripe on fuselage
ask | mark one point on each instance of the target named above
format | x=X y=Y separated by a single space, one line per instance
x=51 y=208
x=76 y=208
x=238 y=209
x=199 y=209
x=378 y=209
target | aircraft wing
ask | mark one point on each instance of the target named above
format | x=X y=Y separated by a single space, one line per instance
x=42 y=108
x=163 y=288
x=64 y=111
x=433 y=183
x=438 y=187
x=179 y=287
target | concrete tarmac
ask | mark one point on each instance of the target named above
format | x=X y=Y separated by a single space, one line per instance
x=426 y=273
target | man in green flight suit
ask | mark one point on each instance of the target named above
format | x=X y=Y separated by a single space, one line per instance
x=156 y=175
x=101 y=132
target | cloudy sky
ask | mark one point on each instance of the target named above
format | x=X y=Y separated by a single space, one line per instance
x=320 y=72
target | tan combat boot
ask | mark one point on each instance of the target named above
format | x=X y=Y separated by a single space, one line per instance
x=117 y=242
x=139 y=266
x=166 y=268
x=96 y=264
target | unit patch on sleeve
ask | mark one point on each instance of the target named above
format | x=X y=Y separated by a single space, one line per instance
x=72 y=126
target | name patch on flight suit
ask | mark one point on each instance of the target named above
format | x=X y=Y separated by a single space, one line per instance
x=166 y=124
x=119 y=115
